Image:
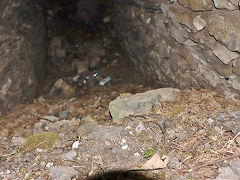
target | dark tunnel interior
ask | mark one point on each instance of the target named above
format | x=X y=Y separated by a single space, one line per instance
x=84 y=14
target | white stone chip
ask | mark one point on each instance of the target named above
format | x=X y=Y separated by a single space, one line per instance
x=75 y=145
x=136 y=154
x=39 y=150
x=50 y=164
x=124 y=147
x=107 y=143
x=148 y=21
x=140 y=128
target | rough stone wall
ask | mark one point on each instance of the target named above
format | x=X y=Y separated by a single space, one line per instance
x=183 y=43
x=22 y=47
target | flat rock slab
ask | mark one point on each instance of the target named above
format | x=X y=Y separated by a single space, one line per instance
x=116 y=148
x=123 y=107
x=62 y=173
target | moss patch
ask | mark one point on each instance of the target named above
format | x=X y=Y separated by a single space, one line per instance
x=40 y=140
x=148 y=153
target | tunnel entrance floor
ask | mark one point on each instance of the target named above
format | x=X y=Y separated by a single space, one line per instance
x=196 y=132
x=80 y=60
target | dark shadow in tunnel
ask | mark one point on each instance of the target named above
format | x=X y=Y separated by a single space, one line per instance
x=121 y=175
x=87 y=15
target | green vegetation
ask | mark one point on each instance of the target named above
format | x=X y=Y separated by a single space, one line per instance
x=44 y=140
x=148 y=153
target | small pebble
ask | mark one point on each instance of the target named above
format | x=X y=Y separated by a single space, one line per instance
x=75 y=145
x=140 y=128
x=210 y=121
x=50 y=164
x=136 y=154
x=64 y=114
x=124 y=141
x=50 y=118
x=107 y=143
x=70 y=155
x=124 y=147
x=18 y=141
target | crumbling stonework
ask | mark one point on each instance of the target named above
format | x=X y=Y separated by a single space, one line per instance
x=22 y=50
x=183 y=43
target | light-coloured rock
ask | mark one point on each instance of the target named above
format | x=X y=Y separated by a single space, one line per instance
x=227 y=173
x=179 y=34
x=89 y=119
x=50 y=164
x=226 y=4
x=211 y=76
x=41 y=99
x=199 y=23
x=75 y=145
x=18 y=141
x=86 y=129
x=238 y=140
x=224 y=54
x=183 y=16
x=164 y=8
x=198 y=5
x=61 y=90
x=236 y=66
x=69 y=155
x=97 y=164
x=122 y=107
x=64 y=114
x=57 y=126
x=140 y=128
x=6 y=87
x=107 y=19
x=225 y=27
x=50 y=118
x=75 y=78
x=156 y=162
x=62 y=173
x=38 y=127
x=235 y=82
x=221 y=68
x=235 y=165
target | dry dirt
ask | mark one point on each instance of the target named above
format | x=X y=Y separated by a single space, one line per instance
x=200 y=130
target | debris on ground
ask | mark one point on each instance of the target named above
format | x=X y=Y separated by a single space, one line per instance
x=99 y=115
x=194 y=136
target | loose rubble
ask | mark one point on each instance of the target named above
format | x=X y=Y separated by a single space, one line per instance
x=99 y=116
x=193 y=135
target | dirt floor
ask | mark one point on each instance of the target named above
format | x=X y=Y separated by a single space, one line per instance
x=199 y=131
